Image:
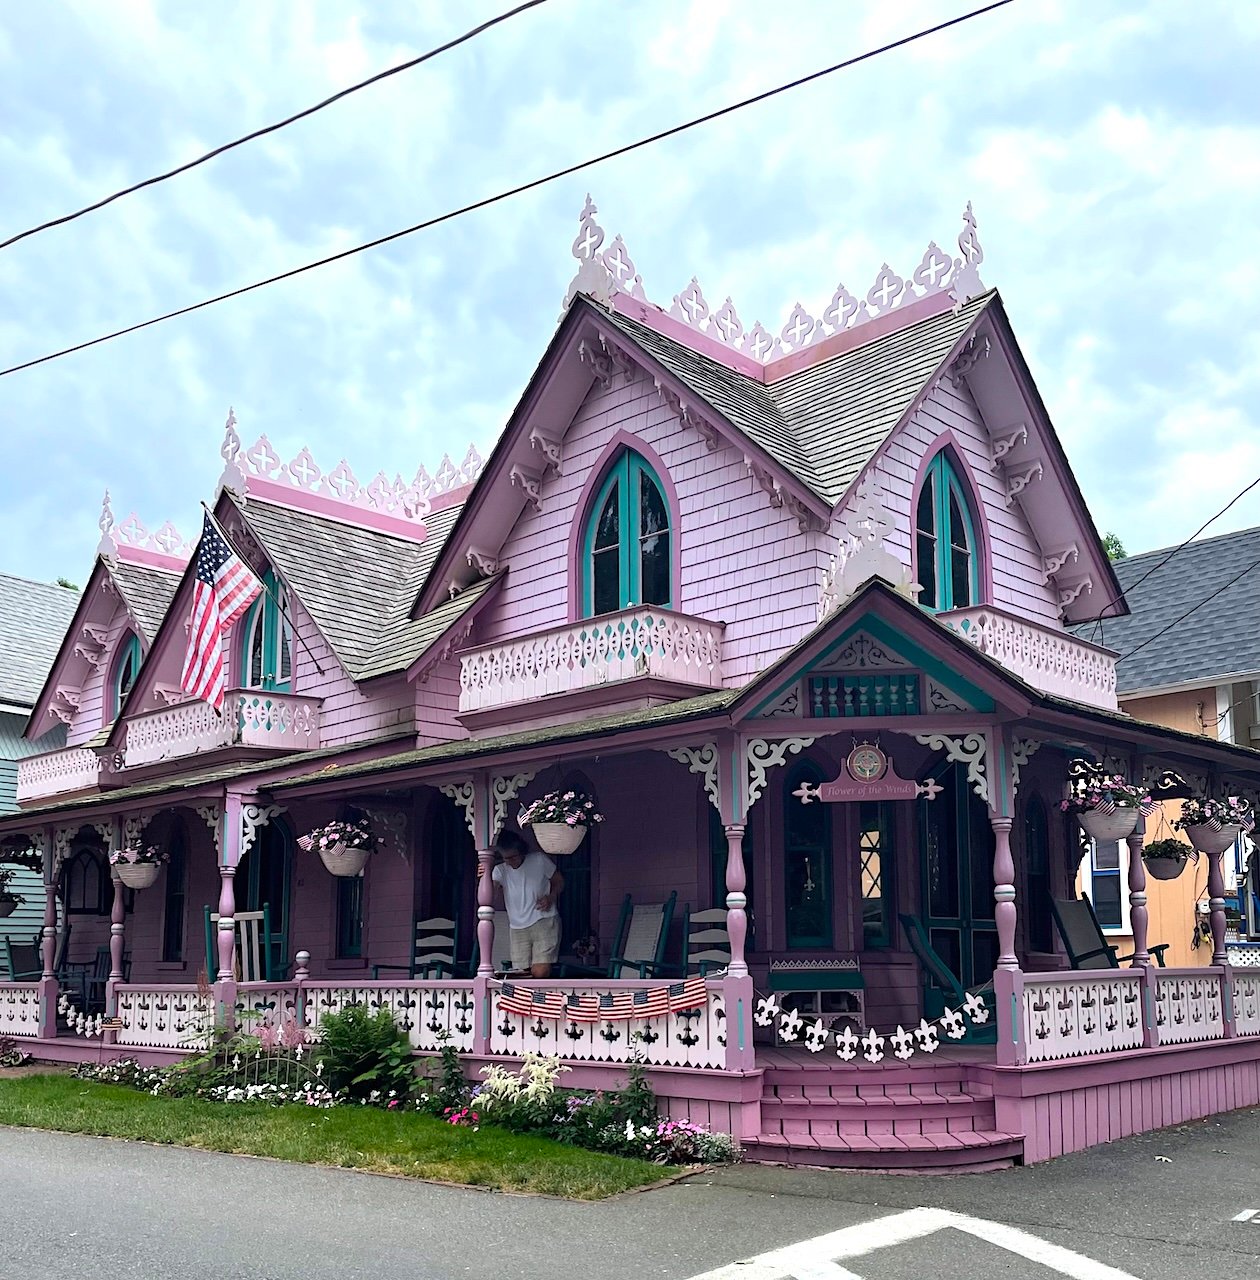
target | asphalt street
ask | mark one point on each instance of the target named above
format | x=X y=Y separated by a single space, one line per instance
x=1163 y=1206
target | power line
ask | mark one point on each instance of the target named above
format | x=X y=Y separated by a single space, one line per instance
x=280 y=124
x=1175 y=551
x=1255 y=564
x=513 y=191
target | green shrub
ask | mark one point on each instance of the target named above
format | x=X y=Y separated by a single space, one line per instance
x=366 y=1056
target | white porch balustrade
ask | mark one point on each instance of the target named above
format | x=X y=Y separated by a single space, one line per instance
x=1080 y=1014
x=251 y=718
x=644 y=641
x=164 y=1017
x=19 y=1010
x=431 y=1013
x=1188 y=1005
x=1048 y=659
x=1247 y=1002
x=57 y=772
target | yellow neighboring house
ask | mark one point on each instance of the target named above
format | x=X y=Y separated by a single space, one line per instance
x=1199 y=674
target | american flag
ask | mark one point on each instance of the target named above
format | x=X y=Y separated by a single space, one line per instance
x=607 y=1006
x=223 y=589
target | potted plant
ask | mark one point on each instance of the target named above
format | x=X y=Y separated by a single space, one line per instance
x=343 y=846
x=1212 y=826
x=1107 y=806
x=137 y=864
x=560 y=820
x=9 y=900
x=1166 y=859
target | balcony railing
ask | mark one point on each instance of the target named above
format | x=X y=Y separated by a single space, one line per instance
x=1052 y=661
x=57 y=773
x=251 y=718
x=643 y=641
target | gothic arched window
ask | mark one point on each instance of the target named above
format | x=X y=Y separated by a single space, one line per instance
x=947 y=554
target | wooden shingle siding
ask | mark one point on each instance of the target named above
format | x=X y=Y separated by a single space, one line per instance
x=1017 y=558
x=744 y=562
x=90 y=717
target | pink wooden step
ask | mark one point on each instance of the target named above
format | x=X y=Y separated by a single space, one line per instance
x=909 y=1153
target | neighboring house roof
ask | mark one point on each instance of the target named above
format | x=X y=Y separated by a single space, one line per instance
x=357 y=584
x=36 y=615
x=825 y=422
x=1222 y=639
x=146 y=591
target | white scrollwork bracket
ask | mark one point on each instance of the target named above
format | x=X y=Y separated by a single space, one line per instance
x=254 y=816
x=763 y=755
x=969 y=749
x=61 y=847
x=465 y=796
x=1022 y=750
x=133 y=827
x=106 y=832
x=503 y=790
x=704 y=761
x=390 y=827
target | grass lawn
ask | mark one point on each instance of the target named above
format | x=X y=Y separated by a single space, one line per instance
x=407 y=1143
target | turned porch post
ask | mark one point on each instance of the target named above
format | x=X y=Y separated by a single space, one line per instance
x=1004 y=891
x=1139 y=915
x=229 y=848
x=736 y=899
x=485 y=913
x=1216 y=905
x=48 y=992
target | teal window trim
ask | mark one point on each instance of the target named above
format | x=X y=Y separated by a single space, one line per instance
x=266 y=645
x=625 y=476
x=943 y=536
x=126 y=668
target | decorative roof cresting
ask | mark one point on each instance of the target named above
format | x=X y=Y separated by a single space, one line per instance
x=407 y=501
x=604 y=273
x=165 y=542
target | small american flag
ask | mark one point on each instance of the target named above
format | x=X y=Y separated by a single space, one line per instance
x=607 y=1006
x=223 y=589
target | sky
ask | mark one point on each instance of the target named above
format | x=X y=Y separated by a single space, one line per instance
x=1111 y=152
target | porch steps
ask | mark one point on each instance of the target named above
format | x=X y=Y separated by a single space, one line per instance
x=906 y=1119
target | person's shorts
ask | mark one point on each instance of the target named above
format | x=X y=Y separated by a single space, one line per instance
x=539 y=944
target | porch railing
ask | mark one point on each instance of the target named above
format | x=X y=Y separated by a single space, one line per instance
x=1246 y=1000
x=1078 y=1014
x=1048 y=659
x=1189 y=1005
x=57 y=772
x=644 y=641
x=164 y=1017
x=429 y=1012
x=252 y=718
x=689 y=1038
x=19 y=1009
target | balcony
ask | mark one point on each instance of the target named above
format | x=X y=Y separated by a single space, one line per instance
x=1050 y=660
x=57 y=773
x=644 y=643
x=280 y=722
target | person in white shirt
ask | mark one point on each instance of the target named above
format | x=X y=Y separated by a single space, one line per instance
x=530 y=884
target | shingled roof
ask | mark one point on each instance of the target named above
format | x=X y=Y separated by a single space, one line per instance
x=36 y=615
x=147 y=592
x=1222 y=639
x=357 y=584
x=825 y=422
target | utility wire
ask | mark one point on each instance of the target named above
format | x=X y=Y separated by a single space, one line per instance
x=1175 y=551
x=1255 y=564
x=280 y=124
x=514 y=191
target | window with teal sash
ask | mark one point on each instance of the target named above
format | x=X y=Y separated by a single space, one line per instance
x=945 y=538
x=626 y=548
x=267 y=641
x=126 y=668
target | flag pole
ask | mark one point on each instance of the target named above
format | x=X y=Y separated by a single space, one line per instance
x=262 y=582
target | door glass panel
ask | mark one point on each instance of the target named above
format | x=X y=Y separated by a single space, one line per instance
x=947 y=944
x=807 y=868
x=654 y=569
x=606 y=588
x=608 y=530
x=875 y=863
x=959 y=555
x=941 y=834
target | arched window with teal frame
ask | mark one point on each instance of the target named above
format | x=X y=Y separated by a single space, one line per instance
x=266 y=645
x=627 y=554
x=126 y=668
x=946 y=542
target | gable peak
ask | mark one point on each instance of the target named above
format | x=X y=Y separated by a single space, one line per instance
x=609 y=276
x=162 y=548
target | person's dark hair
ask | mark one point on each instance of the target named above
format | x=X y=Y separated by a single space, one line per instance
x=511 y=842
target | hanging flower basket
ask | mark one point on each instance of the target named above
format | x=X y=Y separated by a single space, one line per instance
x=137 y=875
x=343 y=847
x=1166 y=859
x=1210 y=839
x=137 y=864
x=1105 y=827
x=558 y=838
x=560 y=820
x=1212 y=826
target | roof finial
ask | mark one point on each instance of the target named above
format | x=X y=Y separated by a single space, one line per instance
x=593 y=277
x=108 y=546
x=233 y=476
x=966 y=283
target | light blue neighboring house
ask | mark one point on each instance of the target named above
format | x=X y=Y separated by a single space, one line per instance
x=37 y=616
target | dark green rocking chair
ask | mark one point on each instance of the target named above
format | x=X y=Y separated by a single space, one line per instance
x=945 y=981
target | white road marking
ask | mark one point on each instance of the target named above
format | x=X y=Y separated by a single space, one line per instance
x=820 y=1258
x=1247 y=1215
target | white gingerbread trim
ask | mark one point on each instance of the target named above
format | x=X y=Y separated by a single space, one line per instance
x=761 y=755
x=254 y=816
x=1022 y=750
x=464 y=794
x=704 y=761
x=969 y=749
x=504 y=788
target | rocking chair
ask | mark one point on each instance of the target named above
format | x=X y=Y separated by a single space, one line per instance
x=943 y=976
x=1083 y=938
x=642 y=936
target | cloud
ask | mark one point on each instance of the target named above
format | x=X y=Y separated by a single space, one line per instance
x=1113 y=162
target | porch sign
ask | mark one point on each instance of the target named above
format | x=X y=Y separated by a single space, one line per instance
x=867 y=774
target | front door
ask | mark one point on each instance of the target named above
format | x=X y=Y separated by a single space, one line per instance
x=958 y=878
